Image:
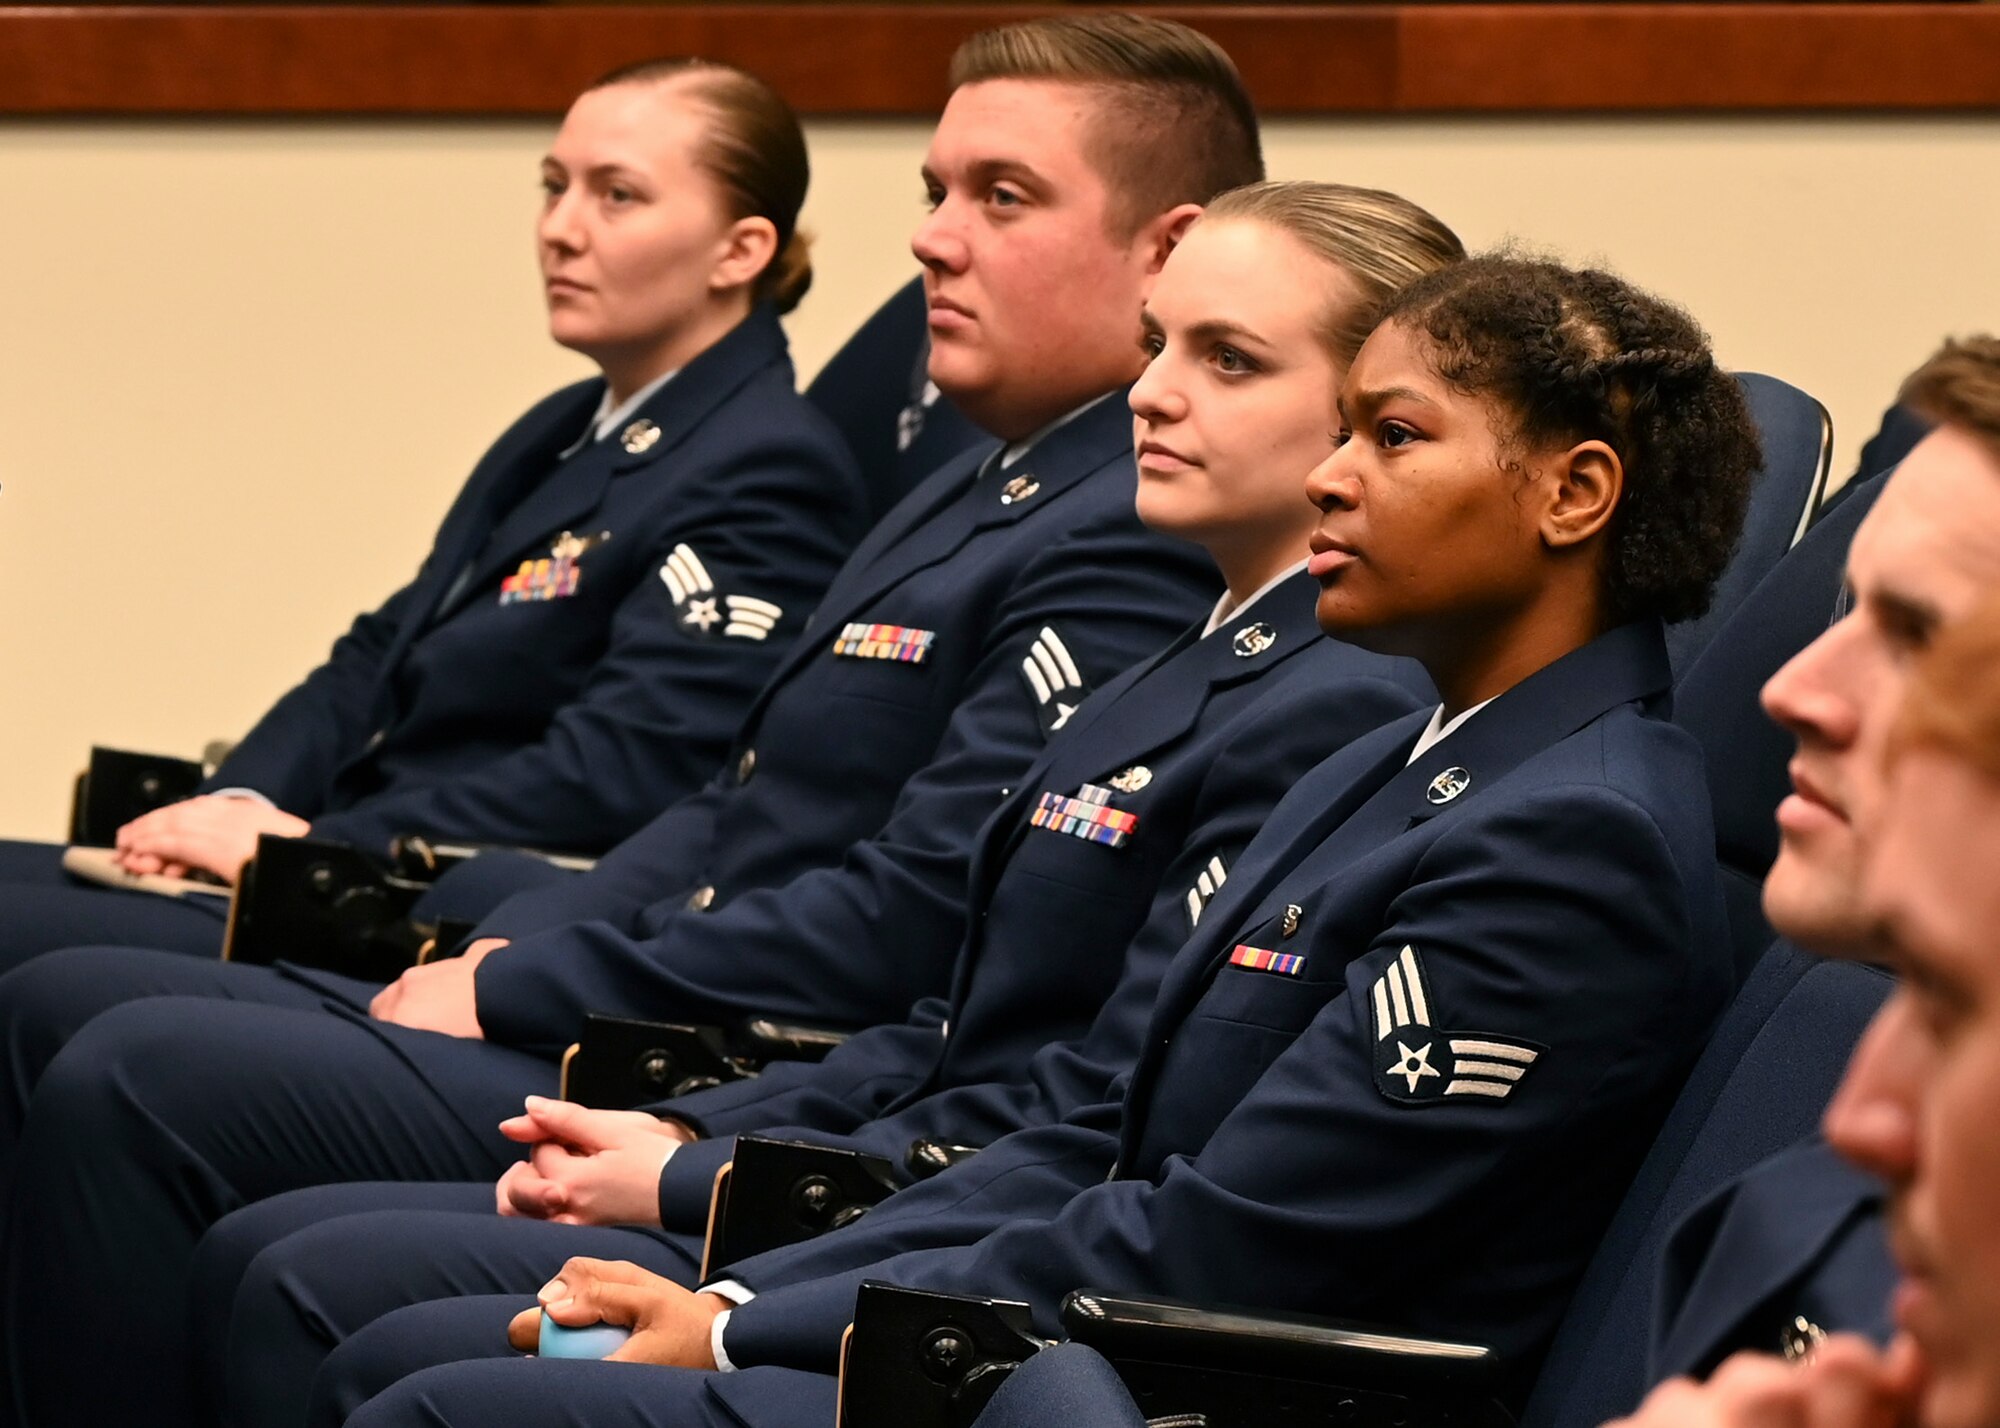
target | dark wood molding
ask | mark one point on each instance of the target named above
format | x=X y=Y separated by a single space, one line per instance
x=886 y=59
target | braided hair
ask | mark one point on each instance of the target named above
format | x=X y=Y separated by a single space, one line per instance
x=1580 y=355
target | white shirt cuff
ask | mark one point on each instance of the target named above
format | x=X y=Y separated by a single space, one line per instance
x=736 y=1294
x=249 y=793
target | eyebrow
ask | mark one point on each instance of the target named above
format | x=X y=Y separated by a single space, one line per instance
x=1913 y=610
x=984 y=171
x=1374 y=397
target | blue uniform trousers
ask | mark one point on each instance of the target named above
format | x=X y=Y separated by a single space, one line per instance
x=280 y=1284
x=43 y=908
x=184 y=1149
x=567 y=1393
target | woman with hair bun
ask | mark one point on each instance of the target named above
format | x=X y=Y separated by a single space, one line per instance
x=615 y=582
x=1418 y=1040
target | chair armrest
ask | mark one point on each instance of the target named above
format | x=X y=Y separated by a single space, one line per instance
x=119 y=786
x=1237 y=1368
x=917 y=1359
x=423 y=859
x=780 y=1192
x=621 y=1063
x=761 y=1039
x=323 y=905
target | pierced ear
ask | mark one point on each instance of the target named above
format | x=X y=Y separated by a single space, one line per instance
x=746 y=250
x=1588 y=482
x=1165 y=232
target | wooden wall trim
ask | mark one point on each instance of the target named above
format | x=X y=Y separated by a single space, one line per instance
x=882 y=60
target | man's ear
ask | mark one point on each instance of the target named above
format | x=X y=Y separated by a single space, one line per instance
x=750 y=245
x=1160 y=236
x=1587 y=482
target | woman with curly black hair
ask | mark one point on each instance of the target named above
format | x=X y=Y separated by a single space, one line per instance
x=1406 y=1061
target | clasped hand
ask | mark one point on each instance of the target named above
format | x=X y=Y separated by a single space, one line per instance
x=671 y=1326
x=210 y=834
x=587 y=1167
x=438 y=996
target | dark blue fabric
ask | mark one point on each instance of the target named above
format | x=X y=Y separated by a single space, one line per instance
x=1760 y=1086
x=567 y=723
x=1068 y=936
x=1221 y=735
x=1068 y=1384
x=1800 y=1235
x=245 y=1101
x=1716 y=700
x=43 y=908
x=874 y=388
x=871 y=777
x=1797 y=437
x=1567 y=898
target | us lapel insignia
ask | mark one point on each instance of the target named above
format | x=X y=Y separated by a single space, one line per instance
x=1263 y=959
x=1132 y=780
x=699 y=610
x=1054 y=682
x=1205 y=887
x=1253 y=640
x=555 y=576
x=910 y=420
x=640 y=437
x=860 y=640
x=1289 y=925
x=1018 y=490
x=1088 y=816
x=1448 y=785
x=1417 y=1065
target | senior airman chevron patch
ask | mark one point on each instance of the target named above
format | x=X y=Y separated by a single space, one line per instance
x=1419 y=1066
x=1054 y=682
x=699 y=610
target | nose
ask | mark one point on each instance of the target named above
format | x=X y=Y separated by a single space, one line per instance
x=1810 y=697
x=1156 y=397
x=938 y=243
x=1334 y=484
x=559 y=227
x=1872 y=1119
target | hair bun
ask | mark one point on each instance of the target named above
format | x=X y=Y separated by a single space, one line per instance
x=790 y=275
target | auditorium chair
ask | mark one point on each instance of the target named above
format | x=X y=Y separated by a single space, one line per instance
x=1787 y=492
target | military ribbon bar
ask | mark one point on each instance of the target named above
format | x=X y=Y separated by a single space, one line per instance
x=1262 y=959
x=898 y=642
x=1085 y=817
x=543 y=579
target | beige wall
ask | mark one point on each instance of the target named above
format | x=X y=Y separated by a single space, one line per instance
x=243 y=367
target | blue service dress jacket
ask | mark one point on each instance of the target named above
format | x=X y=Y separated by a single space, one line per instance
x=1071 y=913
x=969 y=624
x=1401 y=1072
x=1796 y=1244
x=580 y=645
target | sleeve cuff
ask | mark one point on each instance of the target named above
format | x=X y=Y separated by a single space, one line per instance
x=249 y=793
x=736 y=1294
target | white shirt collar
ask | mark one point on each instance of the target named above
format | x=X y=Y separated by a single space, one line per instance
x=1227 y=609
x=1437 y=731
x=609 y=419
